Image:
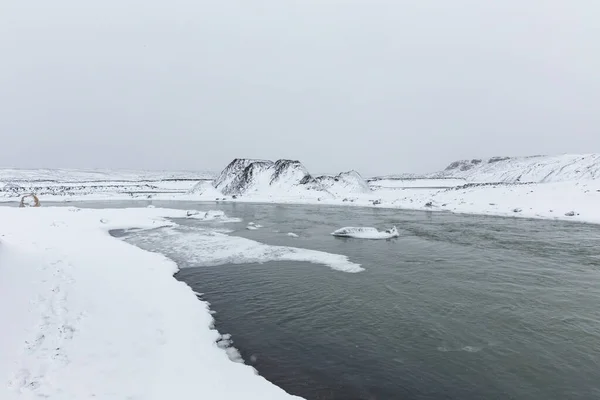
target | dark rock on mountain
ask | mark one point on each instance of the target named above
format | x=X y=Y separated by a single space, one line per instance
x=243 y=176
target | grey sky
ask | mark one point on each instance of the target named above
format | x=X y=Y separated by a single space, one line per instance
x=378 y=86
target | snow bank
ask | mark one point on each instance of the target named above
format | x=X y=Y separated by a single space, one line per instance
x=91 y=316
x=366 y=233
x=542 y=200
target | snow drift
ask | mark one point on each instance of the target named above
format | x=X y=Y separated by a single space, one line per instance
x=366 y=233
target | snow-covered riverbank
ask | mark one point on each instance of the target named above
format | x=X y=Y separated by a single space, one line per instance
x=555 y=187
x=86 y=315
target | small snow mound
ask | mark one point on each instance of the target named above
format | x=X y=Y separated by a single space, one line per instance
x=366 y=233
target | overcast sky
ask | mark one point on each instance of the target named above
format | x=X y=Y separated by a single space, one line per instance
x=377 y=86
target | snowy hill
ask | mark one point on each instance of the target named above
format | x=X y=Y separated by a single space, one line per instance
x=245 y=176
x=538 y=169
x=342 y=184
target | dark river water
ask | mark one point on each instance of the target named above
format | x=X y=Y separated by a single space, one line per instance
x=458 y=307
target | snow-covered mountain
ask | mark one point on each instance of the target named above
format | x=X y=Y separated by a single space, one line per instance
x=539 y=169
x=245 y=176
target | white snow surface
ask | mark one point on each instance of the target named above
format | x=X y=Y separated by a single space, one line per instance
x=537 y=169
x=366 y=233
x=343 y=184
x=416 y=183
x=205 y=188
x=86 y=315
x=97 y=175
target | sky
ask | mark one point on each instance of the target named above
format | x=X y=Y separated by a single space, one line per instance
x=378 y=86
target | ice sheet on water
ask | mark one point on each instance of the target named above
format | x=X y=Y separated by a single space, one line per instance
x=205 y=247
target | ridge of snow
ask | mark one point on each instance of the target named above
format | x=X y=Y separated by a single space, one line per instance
x=538 y=169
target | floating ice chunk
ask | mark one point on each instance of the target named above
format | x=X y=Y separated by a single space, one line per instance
x=251 y=228
x=366 y=233
x=292 y=234
x=211 y=215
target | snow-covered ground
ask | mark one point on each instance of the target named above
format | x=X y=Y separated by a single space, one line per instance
x=97 y=175
x=416 y=183
x=538 y=169
x=560 y=187
x=86 y=315
x=64 y=184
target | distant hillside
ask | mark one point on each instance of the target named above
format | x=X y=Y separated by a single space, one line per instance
x=567 y=167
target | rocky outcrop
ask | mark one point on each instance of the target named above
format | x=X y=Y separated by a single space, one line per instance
x=228 y=180
x=288 y=172
x=243 y=176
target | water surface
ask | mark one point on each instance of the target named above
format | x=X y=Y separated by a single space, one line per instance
x=458 y=307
